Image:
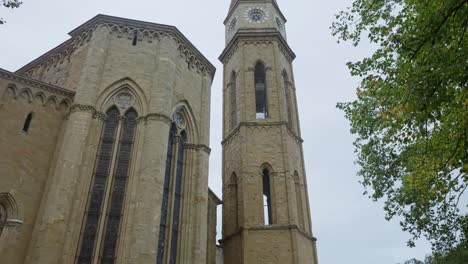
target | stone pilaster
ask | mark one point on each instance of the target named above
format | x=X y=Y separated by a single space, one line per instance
x=51 y=226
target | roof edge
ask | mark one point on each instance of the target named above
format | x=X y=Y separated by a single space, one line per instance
x=106 y=19
x=39 y=84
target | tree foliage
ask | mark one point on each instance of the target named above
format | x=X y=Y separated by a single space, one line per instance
x=10 y=4
x=410 y=117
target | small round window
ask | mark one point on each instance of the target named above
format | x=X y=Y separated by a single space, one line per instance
x=256 y=15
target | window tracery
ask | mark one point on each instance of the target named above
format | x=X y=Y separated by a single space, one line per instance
x=115 y=152
x=169 y=228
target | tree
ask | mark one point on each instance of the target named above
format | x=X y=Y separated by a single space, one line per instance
x=10 y=4
x=413 y=261
x=410 y=117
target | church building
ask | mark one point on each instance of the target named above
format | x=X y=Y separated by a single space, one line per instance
x=105 y=146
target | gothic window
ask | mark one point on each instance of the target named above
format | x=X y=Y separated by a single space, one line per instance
x=169 y=229
x=300 y=212
x=233 y=188
x=233 y=90
x=3 y=217
x=108 y=184
x=135 y=39
x=165 y=200
x=177 y=197
x=288 y=98
x=260 y=91
x=114 y=212
x=27 y=122
x=266 y=197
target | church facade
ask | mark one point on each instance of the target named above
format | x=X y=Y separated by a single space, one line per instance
x=104 y=148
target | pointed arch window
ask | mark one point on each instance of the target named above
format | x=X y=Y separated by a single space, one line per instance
x=103 y=219
x=233 y=95
x=300 y=210
x=287 y=94
x=27 y=122
x=169 y=228
x=234 y=193
x=267 y=198
x=260 y=91
x=3 y=217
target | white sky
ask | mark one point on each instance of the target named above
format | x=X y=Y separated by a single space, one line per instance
x=349 y=227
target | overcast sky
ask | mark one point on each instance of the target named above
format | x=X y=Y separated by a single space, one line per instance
x=349 y=227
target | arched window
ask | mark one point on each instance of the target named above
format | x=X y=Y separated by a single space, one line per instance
x=3 y=217
x=165 y=200
x=300 y=209
x=266 y=198
x=115 y=152
x=27 y=122
x=117 y=192
x=288 y=99
x=233 y=189
x=233 y=94
x=260 y=91
x=172 y=195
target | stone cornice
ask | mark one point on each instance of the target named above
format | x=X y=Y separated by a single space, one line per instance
x=269 y=227
x=261 y=125
x=129 y=27
x=4 y=74
x=257 y=37
x=198 y=147
x=158 y=117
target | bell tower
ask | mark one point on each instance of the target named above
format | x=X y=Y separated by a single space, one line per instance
x=266 y=214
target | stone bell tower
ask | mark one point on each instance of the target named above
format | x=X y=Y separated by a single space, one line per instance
x=266 y=214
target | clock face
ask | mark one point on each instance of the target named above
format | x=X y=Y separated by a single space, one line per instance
x=256 y=15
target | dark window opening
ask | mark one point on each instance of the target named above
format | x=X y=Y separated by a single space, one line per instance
x=267 y=198
x=288 y=99
x=260 y=92
x=135 y=39
x=3 y=217
x=233 y=101
x=27 y=122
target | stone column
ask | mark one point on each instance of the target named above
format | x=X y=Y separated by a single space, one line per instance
x=51 y=228
x=150 y=177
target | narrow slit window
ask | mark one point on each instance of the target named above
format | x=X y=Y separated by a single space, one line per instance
x=288 y=99
x=267 y=198
x=260 y=92
x=233 y=101
x=300 y=212
x=3 y=217
x=135 y=39
x=27 y=122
